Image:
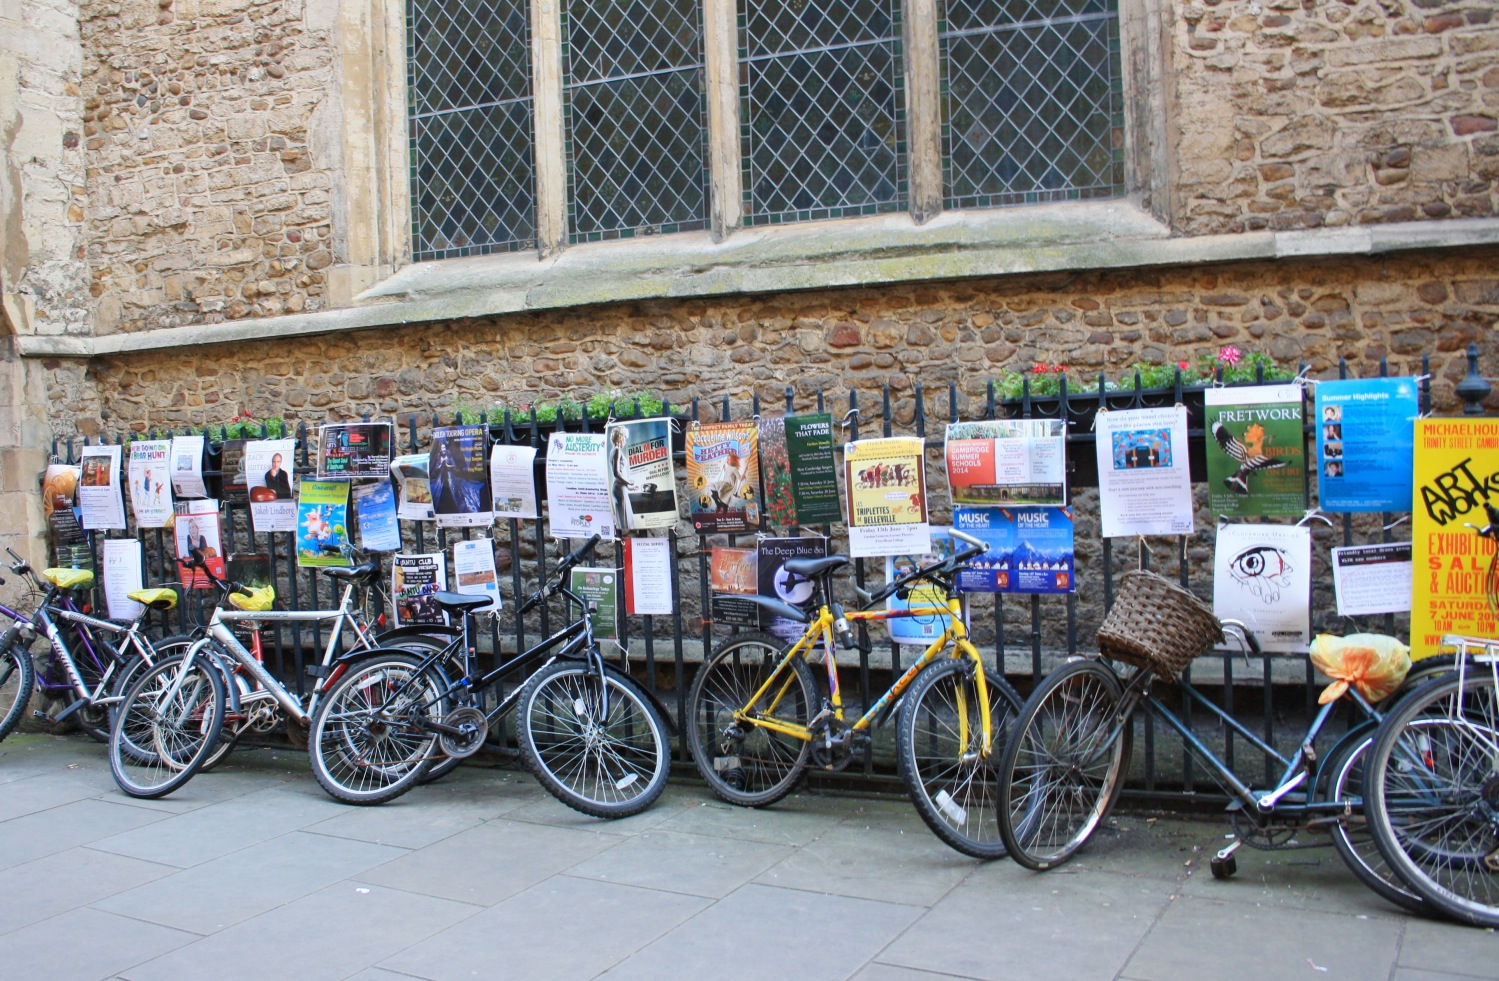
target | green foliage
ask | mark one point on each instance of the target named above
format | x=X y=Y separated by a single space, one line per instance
x=1235 y=367
x=597 y=406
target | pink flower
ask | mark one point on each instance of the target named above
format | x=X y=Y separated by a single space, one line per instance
x=1230 y=355
x=1041 y=369
x=1059 y=368
x=1183 y=365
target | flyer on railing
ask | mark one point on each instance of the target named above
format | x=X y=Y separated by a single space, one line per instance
x=1030 y=550
x=512 y=481
x=323 y=523
x=599 y=591
x=1256 y=450
x=151 y=482
x=887 y=505
x=354 y=450
x=732 y=576
x=1365 y=439
x=375 y=510
x=196 y=527
x=410 y=473
x=458 y=473
x=1144 y=481
x=924 y=629
x=1007 y=461
x=474 y=571
x=1262 y=575
x=1372 y=579
x=413 y=580
x=643 y=478
x=801 y=475
x=187 y=466
x=648 y=576
x=268 y=473
x=99 y=496
x=577 y=472
x=723 y=477
x=776 y=582
x=122 y=575
x=234 y=485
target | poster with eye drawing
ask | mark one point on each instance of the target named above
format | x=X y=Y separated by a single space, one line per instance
x=458 y=473
x=151 y=482
x=351 y=450
x=1007 y=461
x=1365 y=440
x=723 y=477
x=642 y=479
x=273 y=494
x=512 y=481
x=777 y=583
x=410 y=473
x=1262 y=575
x=1256 y=450
x=100 y=501
x=578 y=500
x=1144 y=484
x=887 y=508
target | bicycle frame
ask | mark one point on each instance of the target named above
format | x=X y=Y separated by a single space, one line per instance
x=134 y=639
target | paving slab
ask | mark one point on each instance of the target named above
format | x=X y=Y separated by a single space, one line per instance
x=794 y=821
x=1435 y=945
x=57 y=829
x=52 y=885
x=693 y=864
x=874 y=859
x=427 y=814
x=84 y=945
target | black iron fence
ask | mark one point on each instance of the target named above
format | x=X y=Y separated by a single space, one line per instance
x=1025 y=635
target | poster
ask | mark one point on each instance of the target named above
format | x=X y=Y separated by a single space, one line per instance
x=187 y=466
x=723 y=477
x=352 y=450
x=253 y=570
x=648 y=577
x=233 y=481
x=196 y=526
x=1256 y=451
x=323 y=523
x=1456 y=475
x=410 y=473
x=59 y=487
x=1371 y=579
x=122 y=575
x=801 y=476
x=512 y=481
x=925 y=629
x=599 y=590
x=732 y=575
x=578 y=500
x=69 y=540
x=643 y=480
x=1262 y=576
x=774 y=581
x=151 y=482
x=886 y=480
x=413 y=580
x=375 y=510
x=1364 y=444
x=1007 y=461
x=458 y=475
x=474 y=571
x=1030 y=550
x=272 y=485
x=99 y=496
x=1144 y=484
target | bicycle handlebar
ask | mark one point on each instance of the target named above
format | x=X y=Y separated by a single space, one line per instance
x=550 y=589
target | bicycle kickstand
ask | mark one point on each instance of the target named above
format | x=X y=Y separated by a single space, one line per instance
x=1224 y=864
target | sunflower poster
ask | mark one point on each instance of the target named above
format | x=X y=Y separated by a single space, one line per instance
x=887 y=510
x=1453 y=573
x=723 y=477
x=1256 y=450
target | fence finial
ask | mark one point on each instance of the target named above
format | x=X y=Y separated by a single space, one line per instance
x=1474 y=388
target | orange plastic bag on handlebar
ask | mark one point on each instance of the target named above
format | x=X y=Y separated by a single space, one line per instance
x=1373 y=663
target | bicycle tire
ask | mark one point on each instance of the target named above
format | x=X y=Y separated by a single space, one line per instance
x=17 y=676
x=1063 y=766
x=180 y=734
x=427 y=644
x=365 y=747
x=749 y=765
x=1351 y=835
x=949 y=777
x=1431 y=794
x=608 y=767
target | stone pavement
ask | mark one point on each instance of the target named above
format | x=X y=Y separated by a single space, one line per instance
x=252 y=872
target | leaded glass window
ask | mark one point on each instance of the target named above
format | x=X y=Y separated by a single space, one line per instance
x=635 y=118
x=1032 y=102
x=473 y=177
x=822 y=104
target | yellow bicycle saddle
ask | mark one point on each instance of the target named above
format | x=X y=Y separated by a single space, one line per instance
x=69 y=578
x=159 y=598
x=259 y=600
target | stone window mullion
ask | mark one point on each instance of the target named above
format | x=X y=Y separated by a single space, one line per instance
x=721 y=54
x=551 y=163
x=923 y=109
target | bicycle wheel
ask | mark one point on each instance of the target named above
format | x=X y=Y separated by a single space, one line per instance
x=166 y=727
x=16 y=678
x=940 y=740
x=1063 y=765
x=744 y=763
x=608 y=764
x=366 y=740
x=1432 y=794
x=1351 y=836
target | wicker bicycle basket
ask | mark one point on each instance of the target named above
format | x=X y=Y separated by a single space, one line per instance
x=1155 y=623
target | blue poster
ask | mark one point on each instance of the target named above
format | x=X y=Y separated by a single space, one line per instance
x=375 y=507
x=919 y=630
x=1366 y=432
x=1030 y=550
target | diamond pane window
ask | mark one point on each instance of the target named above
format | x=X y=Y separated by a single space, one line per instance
x=473 y=174
x=822 y=100
x=1032 y=102
x=635 y=118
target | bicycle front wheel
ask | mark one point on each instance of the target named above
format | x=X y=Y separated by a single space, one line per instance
x=1063 y=766
x=1351 y=836
x=367 y=741
x=949 y=774
x=609 y=761
x=1432 y=794
x=743 y=762
x=166 y=727
x=16 y=679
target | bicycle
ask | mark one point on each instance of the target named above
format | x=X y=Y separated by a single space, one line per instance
x=594 y=738
x=1069 y=752
x=758 y=721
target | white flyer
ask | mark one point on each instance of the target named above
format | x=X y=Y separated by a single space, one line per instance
x=1370 y=579
x=415 y=502
x=578 y=498
x=99 y=496
x=474 y=571
x=151 y=482
x=1262 y=576
x=1144 y=483
x=512 y=478
x=122 y=574
x=187 y=466
x=648 y=584
x=268 y=474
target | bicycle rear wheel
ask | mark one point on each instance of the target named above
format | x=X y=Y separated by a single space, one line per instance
x=1351 y=835
x=166 y=727
x=608 y=764
x=17 y=675
x=948 y=774
x=367 y=740
x=1063 y=766
x=744 y=763
x=1432 y=794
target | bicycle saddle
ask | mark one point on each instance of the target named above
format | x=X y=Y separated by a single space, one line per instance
x=69 y=578
x=815 y=567
x=463 y=602
x=364 y=571
x=159 y=598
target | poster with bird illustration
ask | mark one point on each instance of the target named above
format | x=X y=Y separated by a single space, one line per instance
x=1256 y=450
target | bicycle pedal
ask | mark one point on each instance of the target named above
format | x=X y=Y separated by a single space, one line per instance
x=41 y=716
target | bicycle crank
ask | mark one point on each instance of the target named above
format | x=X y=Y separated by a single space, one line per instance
x=463 y=731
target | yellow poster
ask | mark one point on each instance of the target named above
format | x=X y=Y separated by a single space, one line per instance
x=1457 y=475
x=886 y=480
